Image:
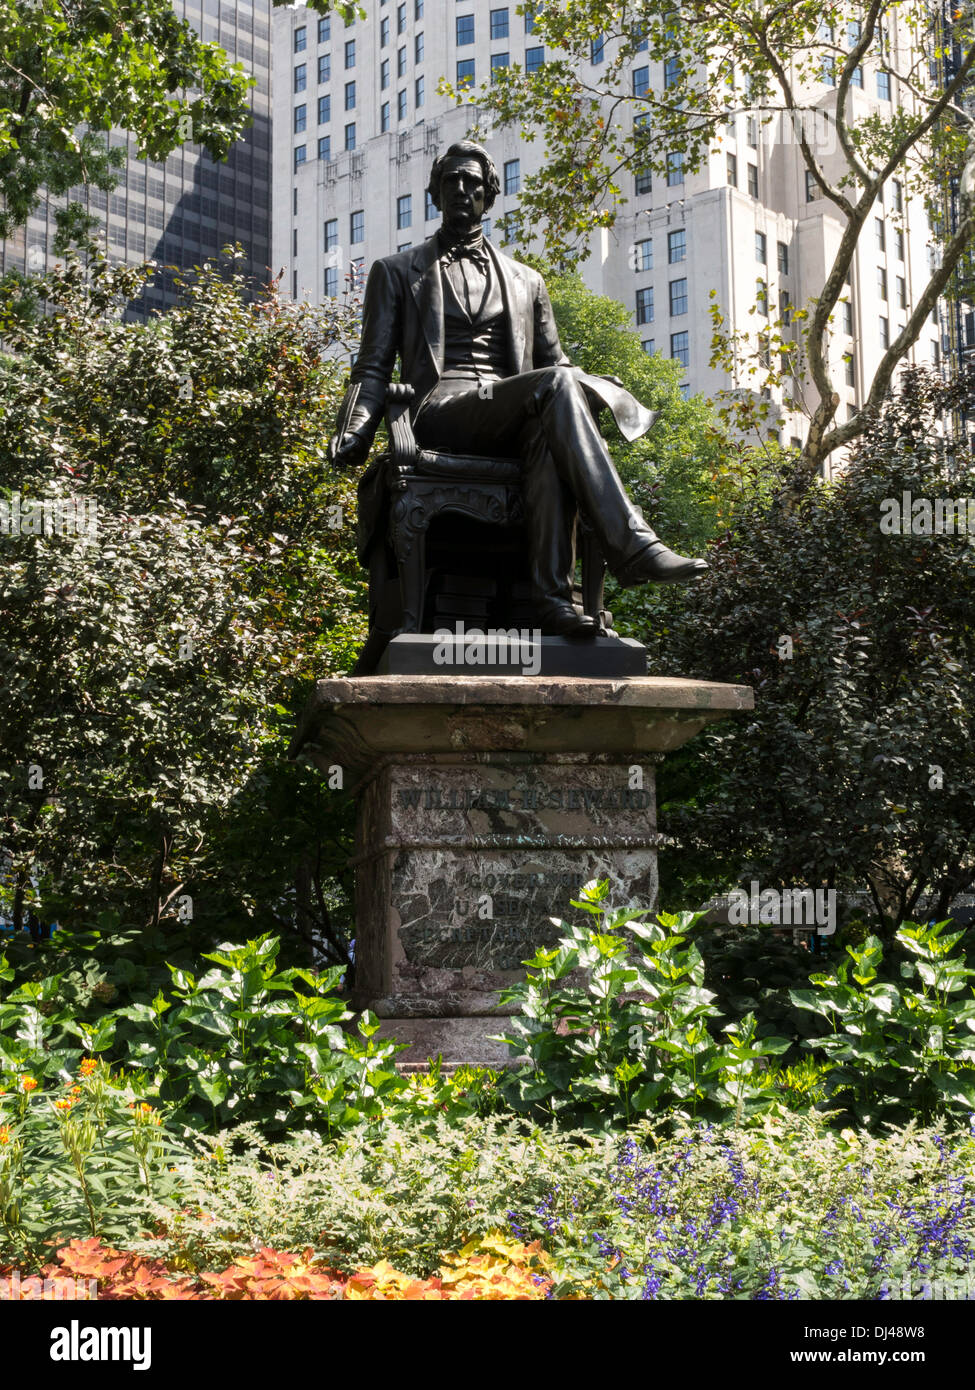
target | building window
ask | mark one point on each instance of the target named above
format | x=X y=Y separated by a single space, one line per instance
x=641 y=81
x=429 y=207
x=324 y=67
x=680 y=348
x=418 y=49
x=783 y=253
x=418 y=9
x=676 y=246
x=883 y=86
x=401 y=18
x=331 y=234
x=419 y=92
x=648 y=346
x=301 y=117
x=848 y=318
x=499 y=24
x=731 y=162
x=324 y=147
x=898 y=197
x=301 y=155
x=401 y=106
x=465 y=73
x=357 y=227
x=881 y=282
x=384 y=117
x=751 y=131
x=753 y=180
x=384 y=74
x=383 y=33
x=534 y=59
x=643 y=255
x=761 y=297
x=498 y=61
x=884 y=332
x=331 y=281
x=401 y=62
x=785 y=310
x=880 y=230
x=901 y=292
x=301 y=39
x=465 y=29
x=301 y=77
x=851 y=369
x=899 y=242
x=675 y=169
x=324 y=110
x=350 y=96
x=404 y=212
x=761 y=248
x=678 y=297
x=644 y=305
x=324 y=30
x=812 y=187
x=644 y=183
x=350 y=136
x=671 y=72
x=512 y=177
x=357 y=273
x=639 y=31
x=597 y=49
x=350 y=53
x=486 y=228
x=530 y=19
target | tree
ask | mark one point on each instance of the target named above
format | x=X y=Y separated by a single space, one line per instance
x=71 y=70
x=856 y=770
x=152 y=670
x=687 y=475
x=720 y=58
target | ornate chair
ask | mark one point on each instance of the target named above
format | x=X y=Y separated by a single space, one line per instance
x=425 y=483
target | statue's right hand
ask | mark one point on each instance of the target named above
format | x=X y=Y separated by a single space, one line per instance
x=347 y=452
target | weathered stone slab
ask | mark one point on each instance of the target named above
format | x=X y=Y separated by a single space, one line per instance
x=426 y=654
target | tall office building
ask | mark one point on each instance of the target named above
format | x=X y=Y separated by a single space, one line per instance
x=184 y=210
x=358 y=121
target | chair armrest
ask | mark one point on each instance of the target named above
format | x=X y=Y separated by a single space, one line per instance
x=398 y=399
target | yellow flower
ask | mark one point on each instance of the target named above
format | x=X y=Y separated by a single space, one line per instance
x=4 y=1134
x=63 y=1104
x=27 y=1083
x=88 y=1065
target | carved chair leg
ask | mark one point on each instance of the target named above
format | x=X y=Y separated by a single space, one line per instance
x=411 y=558
x=593 y=573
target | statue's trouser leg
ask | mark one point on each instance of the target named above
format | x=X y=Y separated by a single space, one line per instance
x=548 y=405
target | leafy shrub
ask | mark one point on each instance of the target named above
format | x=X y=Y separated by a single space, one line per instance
x=905 y=1050
x=615 y=1021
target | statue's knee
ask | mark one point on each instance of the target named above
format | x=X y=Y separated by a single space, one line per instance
x=556 y=381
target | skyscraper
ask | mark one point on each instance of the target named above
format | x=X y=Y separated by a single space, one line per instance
x=358 y=121
x=184 y=210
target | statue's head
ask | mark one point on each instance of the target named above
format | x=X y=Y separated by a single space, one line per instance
x=464 y=183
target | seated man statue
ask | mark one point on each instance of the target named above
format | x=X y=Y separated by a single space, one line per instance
x=476 y=338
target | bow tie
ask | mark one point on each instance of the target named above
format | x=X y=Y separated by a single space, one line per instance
x=475 y=253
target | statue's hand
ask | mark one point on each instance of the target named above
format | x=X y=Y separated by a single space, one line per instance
x=348 y=452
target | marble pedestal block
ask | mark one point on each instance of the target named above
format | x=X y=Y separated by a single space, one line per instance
x=483 y=805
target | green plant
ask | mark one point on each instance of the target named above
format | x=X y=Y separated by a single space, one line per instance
x=615 y=1021
x=899 y=1051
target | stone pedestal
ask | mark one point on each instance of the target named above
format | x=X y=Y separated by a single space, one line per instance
x=483 y=805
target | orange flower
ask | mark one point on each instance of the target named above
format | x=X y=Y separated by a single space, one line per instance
x=4 y=1134
x=27 y=1083
x=88 y=1065
x=63 y=1104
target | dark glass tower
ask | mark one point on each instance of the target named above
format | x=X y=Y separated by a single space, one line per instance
x=180 y=212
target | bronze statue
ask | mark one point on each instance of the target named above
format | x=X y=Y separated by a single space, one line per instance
x=478 y=345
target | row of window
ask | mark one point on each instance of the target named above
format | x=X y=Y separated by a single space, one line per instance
x=678 y=301
x=680 y=351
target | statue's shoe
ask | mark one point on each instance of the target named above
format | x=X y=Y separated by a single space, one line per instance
x=560 y=619
x=655 y=564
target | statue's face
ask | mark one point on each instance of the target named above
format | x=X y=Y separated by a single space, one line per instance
x=462 y=194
